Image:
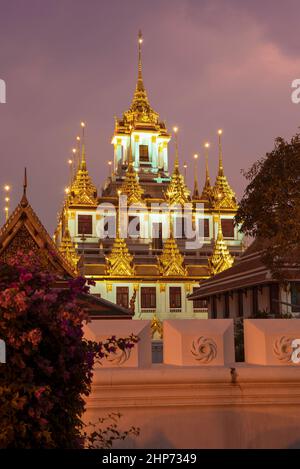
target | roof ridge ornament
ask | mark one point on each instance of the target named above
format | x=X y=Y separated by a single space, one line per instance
x=24 y=200
x=223 y=197
x=221 y=258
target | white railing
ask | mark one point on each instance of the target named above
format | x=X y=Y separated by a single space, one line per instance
x=200 y=310
x=175 y=310
x=148 y=310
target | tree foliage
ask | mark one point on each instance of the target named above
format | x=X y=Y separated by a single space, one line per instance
x=270 y=207
x=49 y=365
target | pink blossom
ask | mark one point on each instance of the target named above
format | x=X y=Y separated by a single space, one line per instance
x=40 y=391
x=26 y=277
x=34 y=336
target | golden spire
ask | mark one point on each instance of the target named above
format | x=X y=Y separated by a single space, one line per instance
x=221 y=258
x=222 y=194
x=171 y=262
x=140 y=83
x=196 y=187
x=140 y=109
x=67 y=247
x=177 y=192
x=131 y=186
x=221 y=169
x=207 y=189
x=119 y=263
x=82 y=191
x=24 y=201
x=176 y=162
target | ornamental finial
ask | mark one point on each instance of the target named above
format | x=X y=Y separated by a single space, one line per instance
x=24 y=201
x=196 y=194
x=83 y=160
x=221 y=170
x=176 y=163
x=140 y=84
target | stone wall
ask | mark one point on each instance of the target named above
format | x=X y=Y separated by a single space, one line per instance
x=199 y=397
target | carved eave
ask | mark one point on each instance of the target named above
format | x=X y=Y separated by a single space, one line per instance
x=131 y=187
x=68 y=250
x=177 y=192
x=221 y=258
x=23 y=231
x=223 y=197
x=119 y=263
x=171 y=262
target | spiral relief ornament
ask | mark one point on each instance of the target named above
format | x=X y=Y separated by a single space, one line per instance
x=282 y=349
x=119 y=357
x=204 y=349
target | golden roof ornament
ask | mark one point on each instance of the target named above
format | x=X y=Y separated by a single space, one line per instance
x=171 y=262
x=196 y=195
x=177 y=192
x=140 y=109
x=222 y=194
x=221 y=258
x=156 y=327
x=82 y=191
x=119 y=263
x=67 y=247
x=131 y=186
x=207 y=189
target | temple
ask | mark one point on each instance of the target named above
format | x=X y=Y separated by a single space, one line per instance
x=153 y=266
x=24 y=234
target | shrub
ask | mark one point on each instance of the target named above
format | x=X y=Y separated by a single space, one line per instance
x=49 y=365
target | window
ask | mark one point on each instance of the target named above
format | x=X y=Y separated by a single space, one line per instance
x=109 y=227
x=144 y=155
x=179 y=227
x=240 y=303
x=295 y=297
x=214 y=313
x=134 y=226
x=199 y=303
x=274 y=297
x=254 y=300
x=175 y=297
x=205 y=227
x=227 y=228
x=123 y=296
x=85 y=224
x=157 y=242
x=226 y=305
x=148 y=297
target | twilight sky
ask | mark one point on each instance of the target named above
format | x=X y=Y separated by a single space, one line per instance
x=206 y=64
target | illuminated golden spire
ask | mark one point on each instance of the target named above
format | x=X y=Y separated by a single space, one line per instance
x=196 y=194
x=131 y=186
x=177 y=192
x=171 y=262
x=140 y=83
x=221 y=258
x=119 y=263
x=222 y=194
x=67 y=247
x=82 y=191
x=140 y=109
x=207 y=189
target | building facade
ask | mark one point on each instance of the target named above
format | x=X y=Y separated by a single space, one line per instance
x=248 y=289
x=151 y=264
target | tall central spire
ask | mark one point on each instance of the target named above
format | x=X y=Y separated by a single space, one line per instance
x=140 y=83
